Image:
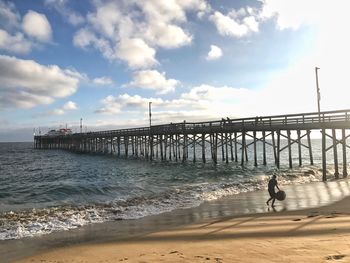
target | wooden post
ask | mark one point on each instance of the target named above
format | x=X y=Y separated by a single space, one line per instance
x=126 y=145
x=142 y=153
x=165 y=146
x=264 y=147
x=324 y=165
x=161 y=147
x=184 y=148
x=310 y=147
x=211 y=139
x=146 y=146
x=236 y=155
x=111 y=145
x=231 y=147
x=151 y=146
x=215 y=148
x=246 y=150
x=173 y=138
x=254 y=143
x=335 y=154
x=345 y=170
x=170 y=145
x=226 y=147
x=289 y=150
x=222 y=147
x=118 y=145
x=243 y=147
x=132 y=145
x=194 y=148
x=203 y=147
x=278 y=148
x=176 y=145
x=299 y=148
x=274 y=146
x=137 y=145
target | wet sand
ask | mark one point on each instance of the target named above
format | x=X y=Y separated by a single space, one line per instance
x=312 y=225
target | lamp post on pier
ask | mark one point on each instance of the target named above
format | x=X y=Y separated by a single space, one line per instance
x=318 y=92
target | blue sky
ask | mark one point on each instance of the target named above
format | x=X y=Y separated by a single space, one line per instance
x=104 y=60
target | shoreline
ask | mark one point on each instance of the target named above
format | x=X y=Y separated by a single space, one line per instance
x=302 y=201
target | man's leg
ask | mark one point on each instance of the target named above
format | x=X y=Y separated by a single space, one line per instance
x=273 y=201
x=269 y=200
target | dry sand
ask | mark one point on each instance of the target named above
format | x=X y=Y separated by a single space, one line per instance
x=312 y=235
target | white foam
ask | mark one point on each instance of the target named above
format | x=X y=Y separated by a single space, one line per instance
x=36 y=222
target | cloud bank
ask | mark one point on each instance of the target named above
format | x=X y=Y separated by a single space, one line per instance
x=25 y=83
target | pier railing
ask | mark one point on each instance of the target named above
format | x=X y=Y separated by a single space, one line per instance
x=313 y=120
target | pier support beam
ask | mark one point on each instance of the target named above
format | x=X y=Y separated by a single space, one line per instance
x=255 y=155
x=345 y=165
x=299 y=148
x=310 y=147
x=324 y=165
x=278 y=148
x=243 y=147
x=203 y=148
x=289 y=150
x=335 y=154
x=264 y=147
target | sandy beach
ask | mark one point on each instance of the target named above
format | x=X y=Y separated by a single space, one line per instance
x=316 y=234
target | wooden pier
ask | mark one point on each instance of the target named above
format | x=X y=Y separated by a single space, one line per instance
x=228 y=138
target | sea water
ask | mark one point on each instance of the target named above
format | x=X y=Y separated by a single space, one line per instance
x=42 y=191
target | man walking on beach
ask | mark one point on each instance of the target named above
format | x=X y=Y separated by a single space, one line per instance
x=271 y=187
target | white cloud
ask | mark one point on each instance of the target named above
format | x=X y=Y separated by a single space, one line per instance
x=25 y=83
x=85 y=38
x=12 y=39
x=136 y=103
x=136 y=53
x=37 y=26
x=214 y=53
x=251 y=23
x=9 y=17
x=103 y=81
x=153 y=80
x=231 y=26
x=133 y=30
x=69 y=105
x=201 y=102
x=112 y=20
x=113 y=105
x=167 y=36
x=15 y=44
x=62 y=8
x=293 y=14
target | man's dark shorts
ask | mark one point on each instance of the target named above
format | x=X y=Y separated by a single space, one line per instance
x=272 y=193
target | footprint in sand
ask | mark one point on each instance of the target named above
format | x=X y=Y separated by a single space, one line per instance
x=314 y=215
x=335 y=257
x=297 y=219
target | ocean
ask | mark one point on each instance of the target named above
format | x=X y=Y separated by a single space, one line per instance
x=44 y=191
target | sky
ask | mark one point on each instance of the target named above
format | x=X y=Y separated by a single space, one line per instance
x=104 y=61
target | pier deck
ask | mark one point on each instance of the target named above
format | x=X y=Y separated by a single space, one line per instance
x=172 y=141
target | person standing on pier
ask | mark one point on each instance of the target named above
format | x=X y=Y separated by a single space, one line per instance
x=271 y=188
